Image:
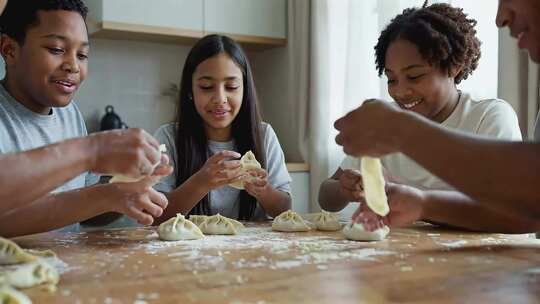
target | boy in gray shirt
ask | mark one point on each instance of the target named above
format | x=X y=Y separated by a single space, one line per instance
x=49 y=39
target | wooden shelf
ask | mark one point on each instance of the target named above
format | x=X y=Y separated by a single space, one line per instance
x=298 y=167
x=126 y=31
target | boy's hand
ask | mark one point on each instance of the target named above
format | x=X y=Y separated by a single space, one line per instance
x=130 y=152
x=138 y=200
x=375 y=121
x=351 y=185
x=406 y=207
x=218 y=171
x=259 y=184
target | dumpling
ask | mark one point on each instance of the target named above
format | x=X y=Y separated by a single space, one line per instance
x=10 y=295
x=11 y=253
x=218 y=224
x=326 y=221
x=356 y=232
x=247 y=162
x=198 y=219
x=373 y=180
x=290 y=221
x=32 y=274
x=127 y=179
x=179 y=228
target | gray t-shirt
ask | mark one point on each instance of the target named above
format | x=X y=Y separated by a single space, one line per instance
x=22 y=129
x=225 y=200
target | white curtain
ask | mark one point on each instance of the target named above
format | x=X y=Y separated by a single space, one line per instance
x=342 y=69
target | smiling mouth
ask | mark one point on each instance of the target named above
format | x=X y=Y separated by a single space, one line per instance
x=411 y=105
x=68 y=84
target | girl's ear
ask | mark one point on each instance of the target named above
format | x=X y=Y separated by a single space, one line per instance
x=454 y=71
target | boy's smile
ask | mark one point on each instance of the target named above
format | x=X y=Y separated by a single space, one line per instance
x=47 y=68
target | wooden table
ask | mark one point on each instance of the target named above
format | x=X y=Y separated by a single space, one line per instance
x=422 y=264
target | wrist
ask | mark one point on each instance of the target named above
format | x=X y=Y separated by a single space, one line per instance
x=89 y=146
x=198 y=184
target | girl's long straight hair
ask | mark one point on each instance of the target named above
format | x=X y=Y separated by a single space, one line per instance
x=190 y=137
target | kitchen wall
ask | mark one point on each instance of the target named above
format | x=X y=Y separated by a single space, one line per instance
x=135 y=77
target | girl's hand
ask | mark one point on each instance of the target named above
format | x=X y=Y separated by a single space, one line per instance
x=259 y=184
x=406 y=207
x=351 y=185
x=218 y=171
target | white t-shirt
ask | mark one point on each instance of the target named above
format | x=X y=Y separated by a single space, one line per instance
x=493 y=118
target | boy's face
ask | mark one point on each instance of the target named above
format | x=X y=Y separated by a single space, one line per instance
x=48 y=68
x=415 y=84
x=523 y=19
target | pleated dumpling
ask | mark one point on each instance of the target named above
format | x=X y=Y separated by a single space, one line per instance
x=198 y=219
x=11 y=253
x=31 y=274
x=247 y=162
x=179 y=228
x=290 y=221
x=326 y=221
x=218 y=224
x=10 y=295
x=356 y=232
x=127 y=179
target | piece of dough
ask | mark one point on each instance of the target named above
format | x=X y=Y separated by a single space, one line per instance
x=326 y=221
x=198 y=219
x=31 y=274
x=373 y=180
x=219 y=224
x=247 y=162
x=127 y=179
x=11 y=253
x=179 y=228
x=356 y=232
x=290 y=221
x=10 y=295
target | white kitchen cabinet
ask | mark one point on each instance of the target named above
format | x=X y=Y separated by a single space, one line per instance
x=264 y=18
x=174 y=14
x=258 y=23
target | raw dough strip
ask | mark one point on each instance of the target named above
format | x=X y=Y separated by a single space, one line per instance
x=373 y=179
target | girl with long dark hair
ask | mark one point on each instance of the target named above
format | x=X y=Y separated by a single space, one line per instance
x=218 y=121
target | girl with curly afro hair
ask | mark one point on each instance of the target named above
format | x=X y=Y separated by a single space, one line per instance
x=425 y=53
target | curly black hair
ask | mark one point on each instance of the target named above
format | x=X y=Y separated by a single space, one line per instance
x=20 y=15
x=443 y=34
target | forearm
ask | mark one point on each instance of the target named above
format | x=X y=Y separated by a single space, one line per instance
x=458 y=210
x=182 y=199
x=331 y=198
x=29 y=175
x=506 y=174
x=54 y=211
x=274 y=202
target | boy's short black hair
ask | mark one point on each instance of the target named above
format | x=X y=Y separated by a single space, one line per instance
x=20 y=15
x=445 y=37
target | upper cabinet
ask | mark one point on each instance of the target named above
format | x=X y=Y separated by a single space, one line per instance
x=263 y=18
x=256 y=23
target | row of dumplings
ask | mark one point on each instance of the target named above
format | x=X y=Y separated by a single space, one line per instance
x=24 y=269
x=290 y=221
x=179 y=228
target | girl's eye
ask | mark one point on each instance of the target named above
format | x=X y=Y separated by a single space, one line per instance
x=232 y=88
x=55 y=51
x=82 y=56
x=205 y=88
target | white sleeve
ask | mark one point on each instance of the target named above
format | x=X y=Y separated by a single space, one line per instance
x=500 y=122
